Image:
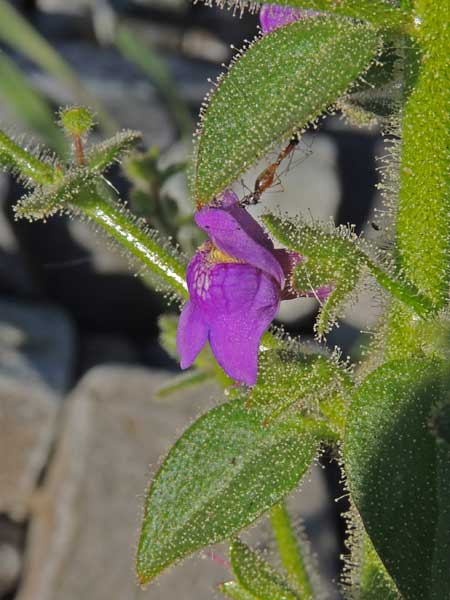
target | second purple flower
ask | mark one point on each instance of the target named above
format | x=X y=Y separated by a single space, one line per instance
x=273 y=16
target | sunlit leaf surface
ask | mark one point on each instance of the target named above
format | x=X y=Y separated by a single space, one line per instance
x=224 y=472
x=256 y=575
x=283 y=82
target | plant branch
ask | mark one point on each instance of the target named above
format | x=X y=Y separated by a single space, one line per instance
x=290 y=553
x=119 y=223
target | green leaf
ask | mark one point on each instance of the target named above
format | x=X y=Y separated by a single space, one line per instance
x=233 y=590
x=364 y=576
x=332 y=259
x=48 y=200
x=223 y=473
x=399 y=474
x=423 y=206
x=106 y=153
x=336 y=255
x=289 y=376
x=28 y=104
x=380 y=13
x=293 y=552
x=375 y=582
x=269 y=93
x=379 y=94
x=15 y=31
x=257 y=576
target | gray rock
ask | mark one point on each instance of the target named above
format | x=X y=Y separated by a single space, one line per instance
x=87 y=516
x=11 y=558
x=27 y=421
x=103 y=348
x=10 y=565
x=36 y=344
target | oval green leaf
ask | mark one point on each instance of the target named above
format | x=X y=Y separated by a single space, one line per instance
x=233 y=590
x=278 y=86
x=255 y=575
x=399 y=474
x=224 y=472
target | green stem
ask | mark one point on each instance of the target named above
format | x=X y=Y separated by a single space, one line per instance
x=190 y=379
x=233 y=590
x=423 y=221
x=14 y=156
x=120 y=225
x=290 y=552
x=423 y=216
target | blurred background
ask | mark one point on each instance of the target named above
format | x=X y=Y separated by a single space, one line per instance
x=81 y=424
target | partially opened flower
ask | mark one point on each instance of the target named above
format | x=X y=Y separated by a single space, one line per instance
x=273 y=16
x=236 y=281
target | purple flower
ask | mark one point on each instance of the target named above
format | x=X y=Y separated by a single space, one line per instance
x=236 y=281
x=273 y=16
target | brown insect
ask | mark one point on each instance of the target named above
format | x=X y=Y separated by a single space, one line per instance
x=266 y=178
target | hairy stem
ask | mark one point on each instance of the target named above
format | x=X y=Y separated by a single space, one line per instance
x=14 y=156
x=290 y=552
x=423 y=220
x=119 y=223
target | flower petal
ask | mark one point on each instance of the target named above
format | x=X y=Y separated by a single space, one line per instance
x=192 y=334
x=235 y=334
x=321 y=294
x=230 y=202
x=229 y=235
x=288 y=260
x=273 y=16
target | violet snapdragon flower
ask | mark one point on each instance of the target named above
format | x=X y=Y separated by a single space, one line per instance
x=236 y=280
x=273 y=16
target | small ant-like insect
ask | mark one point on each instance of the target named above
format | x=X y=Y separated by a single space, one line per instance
x=266 y=178
x=375 y=226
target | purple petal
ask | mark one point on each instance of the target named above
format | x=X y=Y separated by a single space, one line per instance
x=227 y=199
x=322 y=293
x=220 y=287
x=227 y=233
x=192 y=334
x=273 y=16
x=236 y=327
x=230 y=202
x=288 y=260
